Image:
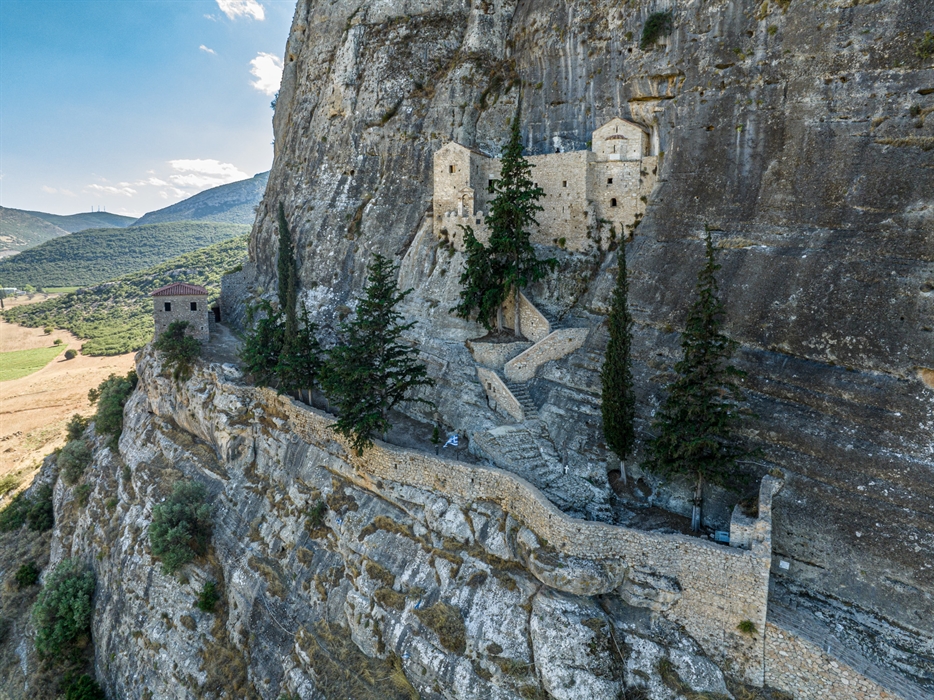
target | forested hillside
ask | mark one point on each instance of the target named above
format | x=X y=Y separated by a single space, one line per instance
x=20 y=230
x=93 y=256
x=116 y=317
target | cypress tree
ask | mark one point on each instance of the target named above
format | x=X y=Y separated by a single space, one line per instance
x=373 y=369
x=695 y=425
x=619 y=401
x=288 y=277
x=263 y=343
x=512 y=213
x=300 y=359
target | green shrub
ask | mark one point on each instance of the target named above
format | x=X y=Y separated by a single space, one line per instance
x=179 y=349
x=207 y=599
x=27 y=575
x=62 y=613
x=83 y=688
x=658 y=24
x=71 y=354
x=9 y=482
x=73 y=460
x=57 y=341
x=83 y=494
x=925 y=47
x=35 y=511
x=747 y=627
x=48 y=330
x=181 y=526
x=76 y=426
x=111 y=396
x=316 y=514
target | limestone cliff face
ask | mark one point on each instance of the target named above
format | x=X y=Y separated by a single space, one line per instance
x=396 y=592
x=799 y=131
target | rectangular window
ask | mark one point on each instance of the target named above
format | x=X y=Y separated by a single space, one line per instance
x=564 y=183
x=194 y=306
x=609 y=181
x=168 y=306
x=450 y=168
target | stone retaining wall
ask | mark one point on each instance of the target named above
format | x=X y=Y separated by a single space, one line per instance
x=718 y=587
x=553 y=347
x=501 y=399
x=799 y=667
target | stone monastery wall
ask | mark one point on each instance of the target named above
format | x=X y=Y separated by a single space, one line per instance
x=584 y=190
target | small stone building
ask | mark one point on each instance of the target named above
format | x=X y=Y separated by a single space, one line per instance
x=607 y=185
x=182 y=302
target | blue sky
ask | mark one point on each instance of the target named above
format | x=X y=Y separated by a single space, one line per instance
x=132 y=105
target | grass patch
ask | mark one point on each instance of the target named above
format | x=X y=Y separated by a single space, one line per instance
x=60 y=290
x=21 y=363
x=389 y=598
x=445 y=621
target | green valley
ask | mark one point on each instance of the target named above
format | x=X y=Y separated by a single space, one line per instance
x=96 y=255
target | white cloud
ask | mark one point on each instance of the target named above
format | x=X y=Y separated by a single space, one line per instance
x=124 y=189
x=207 y=50
x=49 y=190
x=268 y=72
x=202 y=173
x=242 y=8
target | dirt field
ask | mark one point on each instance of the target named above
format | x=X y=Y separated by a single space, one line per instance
x=34 y=409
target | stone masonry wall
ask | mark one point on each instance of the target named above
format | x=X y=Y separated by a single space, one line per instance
x=553 y=347
x=535 y=326
x=501 y=399
x=181 y=311
x=799 y=667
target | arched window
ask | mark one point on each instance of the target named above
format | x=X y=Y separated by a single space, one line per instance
x=613 y=202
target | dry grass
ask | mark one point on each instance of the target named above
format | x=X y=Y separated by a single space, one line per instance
x=389 y=598
x=343 y=671
x=445 y=621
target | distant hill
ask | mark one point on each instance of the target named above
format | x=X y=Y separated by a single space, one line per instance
x=85 y=220
x=20 y=230
x=232 y=203
x=116 y=317
x=90 y=257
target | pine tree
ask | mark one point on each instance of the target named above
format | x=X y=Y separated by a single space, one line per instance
x=263 y=343
x=372 y=369
x=695 y=425
x=288 y=277
x=300 y=359
x=619 y=401
x=481 y=288
x=512 y=213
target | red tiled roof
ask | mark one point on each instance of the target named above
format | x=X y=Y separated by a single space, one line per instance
x=180 y=289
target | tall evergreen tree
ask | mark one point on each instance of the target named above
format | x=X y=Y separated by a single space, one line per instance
x=301 y=357
x=619 y=401
x=695 y=425
x=481 y=287
x=288 y=276
x=512 y=213
x=494 y=273
x=373 y=369
x=263 y=342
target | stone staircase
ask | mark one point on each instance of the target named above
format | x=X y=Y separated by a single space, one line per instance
x=521 y=394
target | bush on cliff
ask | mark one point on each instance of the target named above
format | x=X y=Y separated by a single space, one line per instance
x=76 y=426
x=37 y=511
x=181 y=526
x=179 y=349
x=110 y=397
x=62 y=612
x=73 y=460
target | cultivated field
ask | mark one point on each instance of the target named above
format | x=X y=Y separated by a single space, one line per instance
x=35 y=408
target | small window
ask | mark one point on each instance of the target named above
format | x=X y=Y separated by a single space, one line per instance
x=489 y=184
x=194 y=306
x=168 y=306
x=613 y=202
x=609 y=181
x=450 y=168
x=564 y=183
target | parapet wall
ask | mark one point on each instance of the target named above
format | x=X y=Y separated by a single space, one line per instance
x=717 y=587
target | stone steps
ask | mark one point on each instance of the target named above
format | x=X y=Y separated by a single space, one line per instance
x=521 y=394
